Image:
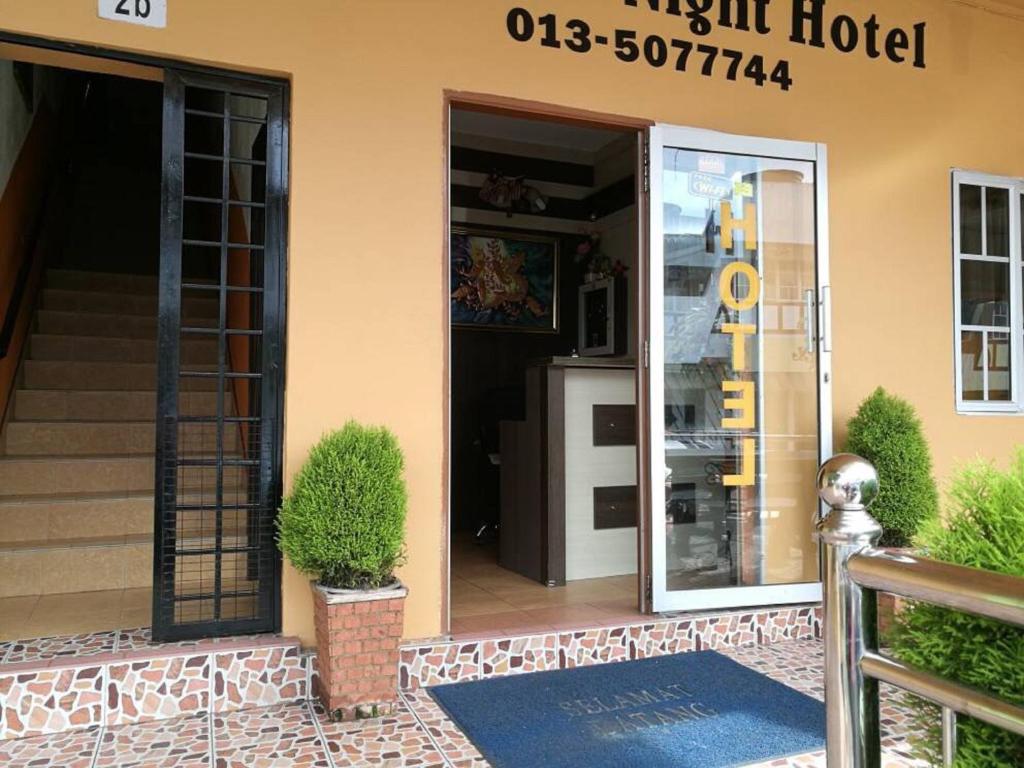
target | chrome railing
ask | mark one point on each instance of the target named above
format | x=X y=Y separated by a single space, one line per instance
x=854 y=571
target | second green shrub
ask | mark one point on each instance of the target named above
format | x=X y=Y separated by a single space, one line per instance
x=887 y=432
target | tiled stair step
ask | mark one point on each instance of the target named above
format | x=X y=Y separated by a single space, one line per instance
x=109 y=324
x=91 y=564
x=38 y=476
x=115 y=350
x=123 y=303
x=56 y=374
x=79 y=438
x=108 y=282
x=103 y=405
x=44 y=518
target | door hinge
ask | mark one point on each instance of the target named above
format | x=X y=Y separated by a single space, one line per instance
x=649 y=589
x=647 y=354
x=647 y=163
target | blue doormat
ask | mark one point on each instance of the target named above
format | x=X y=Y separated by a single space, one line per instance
x=693 y=710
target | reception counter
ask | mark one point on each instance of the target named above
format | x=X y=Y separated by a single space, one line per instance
x=568 y=472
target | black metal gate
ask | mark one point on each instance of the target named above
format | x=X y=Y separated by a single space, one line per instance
x=220 y=340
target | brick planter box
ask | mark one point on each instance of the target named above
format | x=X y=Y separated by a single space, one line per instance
x=357 y=637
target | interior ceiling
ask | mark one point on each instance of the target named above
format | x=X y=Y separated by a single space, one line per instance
x=533 y=131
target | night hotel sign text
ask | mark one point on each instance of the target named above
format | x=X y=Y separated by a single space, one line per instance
x=808 y=23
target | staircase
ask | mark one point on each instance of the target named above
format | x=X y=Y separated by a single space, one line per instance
x=77 y=453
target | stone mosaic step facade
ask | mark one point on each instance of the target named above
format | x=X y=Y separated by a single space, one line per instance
x=114 y=678
x=424 y=665
x=109 y=679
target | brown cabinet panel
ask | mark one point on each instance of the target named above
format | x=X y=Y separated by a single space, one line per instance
x=615 y=507
x=614 y=425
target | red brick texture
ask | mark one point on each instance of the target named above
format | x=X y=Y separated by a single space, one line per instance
x=357 y=654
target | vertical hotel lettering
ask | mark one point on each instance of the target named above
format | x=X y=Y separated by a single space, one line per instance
x=740 y=396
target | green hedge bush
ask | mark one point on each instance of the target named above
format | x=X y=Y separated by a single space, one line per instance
x=887 y=432
x=344 y=520
x=985 y=530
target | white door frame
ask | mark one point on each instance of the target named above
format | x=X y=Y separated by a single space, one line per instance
x=661 y=136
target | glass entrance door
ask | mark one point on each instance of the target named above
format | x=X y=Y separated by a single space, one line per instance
x=739 y=360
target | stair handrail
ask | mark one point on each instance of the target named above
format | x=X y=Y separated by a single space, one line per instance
x=854 y=571
x=34 y=244
x=31 y=247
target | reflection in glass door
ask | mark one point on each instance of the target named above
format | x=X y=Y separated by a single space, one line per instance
x=737 y=369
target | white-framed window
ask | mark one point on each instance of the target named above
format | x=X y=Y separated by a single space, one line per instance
x=989 y=318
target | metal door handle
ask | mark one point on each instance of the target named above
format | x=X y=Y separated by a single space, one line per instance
x=809 y=319
x=826 y=318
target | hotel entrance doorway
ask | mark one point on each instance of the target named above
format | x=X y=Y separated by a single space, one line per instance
x=705 y=377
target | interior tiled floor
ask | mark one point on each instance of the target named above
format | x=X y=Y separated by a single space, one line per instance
x=417 y=734
x=487 y=598
x=73 y=613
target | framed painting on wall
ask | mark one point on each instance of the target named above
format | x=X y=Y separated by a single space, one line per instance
x=504 y=281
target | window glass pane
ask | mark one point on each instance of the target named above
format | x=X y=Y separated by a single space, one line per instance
x=972 y=366
x=999 y=367
x=997 y=215
x=985 y=293
x=970 y=219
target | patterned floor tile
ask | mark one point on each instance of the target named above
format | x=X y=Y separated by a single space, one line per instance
x=179 y=743
x=395 y=741
x=72 y=749
x=401 y=715
x=272 y=737
x=449 y=738
x=46 y=648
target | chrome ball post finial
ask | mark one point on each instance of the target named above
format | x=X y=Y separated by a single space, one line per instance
x=847 y=482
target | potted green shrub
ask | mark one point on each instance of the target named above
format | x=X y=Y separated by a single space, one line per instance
x=984 y=529
x=344 y=524
x=887 y=432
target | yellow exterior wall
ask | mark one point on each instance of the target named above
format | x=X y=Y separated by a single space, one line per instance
x=366 y=300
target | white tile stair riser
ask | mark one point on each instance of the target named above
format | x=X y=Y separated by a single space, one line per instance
x=57 y=570
x=108 y=282
x=53 y=374
x=47 y=476
x=109 y=325
x=36 y=438
x=63 y=405
x=39 y=519
x=114 y=350
x=126 y=304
